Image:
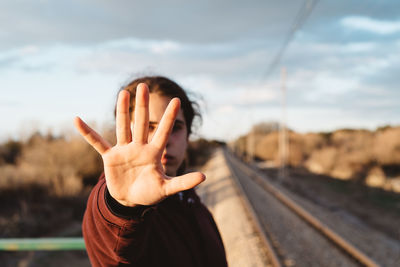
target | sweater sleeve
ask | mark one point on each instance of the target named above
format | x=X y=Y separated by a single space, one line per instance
x=108 y=227
x=122 y=211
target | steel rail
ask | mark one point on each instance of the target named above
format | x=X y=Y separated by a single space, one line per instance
x=264 y=239
x=309 y=218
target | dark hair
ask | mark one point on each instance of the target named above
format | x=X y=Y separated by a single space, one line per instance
x=165 y=87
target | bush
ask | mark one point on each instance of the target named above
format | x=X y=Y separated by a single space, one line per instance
x=344 y=154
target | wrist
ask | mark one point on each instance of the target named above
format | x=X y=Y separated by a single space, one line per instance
x=125 y=203
x=124 y=211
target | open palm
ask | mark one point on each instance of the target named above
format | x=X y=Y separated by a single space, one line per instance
x=133 y=170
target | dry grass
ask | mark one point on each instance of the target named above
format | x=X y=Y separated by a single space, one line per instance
x=61 y=166
x=44 y=184
x=372 y=157
x=44 y=181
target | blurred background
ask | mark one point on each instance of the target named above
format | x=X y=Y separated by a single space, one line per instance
x=323 y=71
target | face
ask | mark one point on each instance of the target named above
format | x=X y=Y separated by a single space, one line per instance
x=174 y=152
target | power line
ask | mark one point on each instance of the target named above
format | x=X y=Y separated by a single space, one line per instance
x=298 y=22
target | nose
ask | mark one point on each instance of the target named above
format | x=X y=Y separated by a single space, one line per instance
x=171 y=138
x=169 y=141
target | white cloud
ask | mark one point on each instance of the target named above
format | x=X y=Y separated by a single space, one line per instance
x=352 y=47
x=226 y=109
x=322 y=86
x=371 y=25
x=141 y=45
x=371 y=65
x=164 y=47
x=19 y=52
x=357 y=47
x=316 y=119
x=333 y=84
x=28 y=50
x=377 y=103
x=253 y=96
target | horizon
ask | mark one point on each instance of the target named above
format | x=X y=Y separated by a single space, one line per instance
x=71 y=132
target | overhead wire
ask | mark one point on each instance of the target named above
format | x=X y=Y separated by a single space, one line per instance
x=301 y=17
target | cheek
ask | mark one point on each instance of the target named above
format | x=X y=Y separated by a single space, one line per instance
x=181 y=143
x=184 y=145
x=150 y=136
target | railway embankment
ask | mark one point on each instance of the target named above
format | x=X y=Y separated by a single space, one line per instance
x=242 y=242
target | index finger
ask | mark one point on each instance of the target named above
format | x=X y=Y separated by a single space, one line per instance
x=163 y=131
x=123 y=130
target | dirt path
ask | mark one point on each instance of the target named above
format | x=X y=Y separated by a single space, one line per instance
x=242 y=244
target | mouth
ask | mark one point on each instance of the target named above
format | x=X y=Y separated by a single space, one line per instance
x=167 y=159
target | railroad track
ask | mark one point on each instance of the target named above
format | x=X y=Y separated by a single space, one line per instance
x=292 y=236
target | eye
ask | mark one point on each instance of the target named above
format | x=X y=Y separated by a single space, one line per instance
x=177 y=127
x=152 y=128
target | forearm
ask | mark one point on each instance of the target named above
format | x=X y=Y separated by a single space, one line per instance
x=106 y=232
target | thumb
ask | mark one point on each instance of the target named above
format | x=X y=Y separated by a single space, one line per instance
x=183 y=182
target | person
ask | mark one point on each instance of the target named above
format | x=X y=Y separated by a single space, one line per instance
x=144 y=211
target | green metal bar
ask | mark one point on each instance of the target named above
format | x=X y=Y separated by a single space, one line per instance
x=20 y=244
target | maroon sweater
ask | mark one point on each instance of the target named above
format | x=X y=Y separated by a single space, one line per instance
x=179 y=231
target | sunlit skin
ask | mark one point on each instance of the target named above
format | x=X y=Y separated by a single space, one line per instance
x=174 y=152
x=139 y=169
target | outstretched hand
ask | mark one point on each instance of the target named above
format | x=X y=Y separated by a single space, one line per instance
x=133 y=170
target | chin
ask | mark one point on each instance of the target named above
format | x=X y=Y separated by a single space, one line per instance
x=170 y=170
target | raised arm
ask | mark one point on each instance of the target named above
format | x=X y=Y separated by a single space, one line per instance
x=133 y=170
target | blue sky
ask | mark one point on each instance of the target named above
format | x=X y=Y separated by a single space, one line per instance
x=59 y=59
